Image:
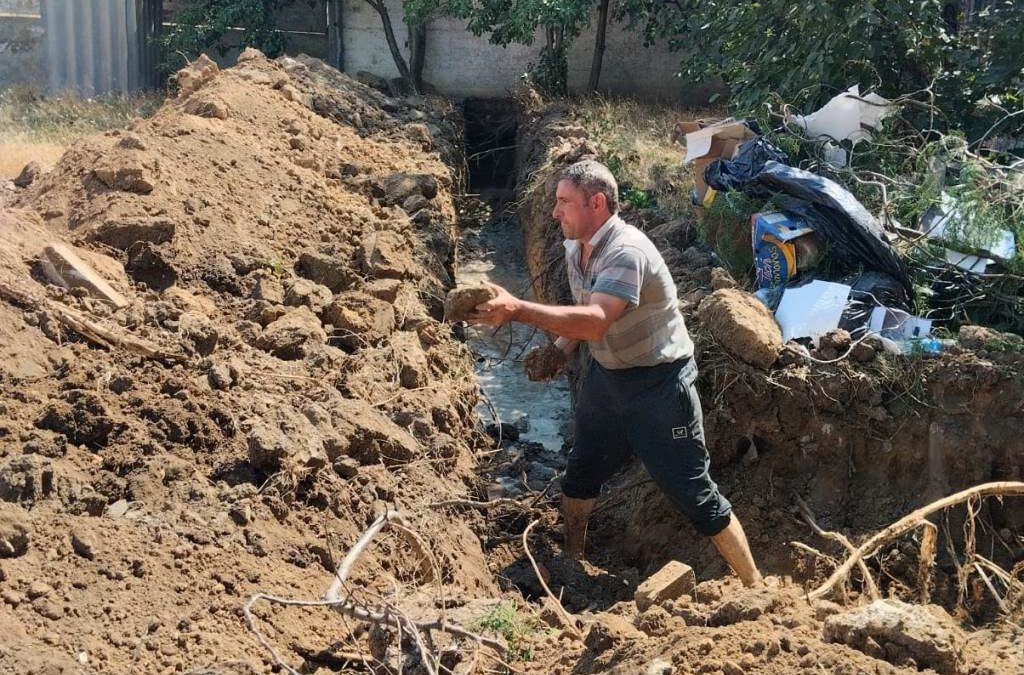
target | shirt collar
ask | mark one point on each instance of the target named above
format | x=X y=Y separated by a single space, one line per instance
x=596 y=238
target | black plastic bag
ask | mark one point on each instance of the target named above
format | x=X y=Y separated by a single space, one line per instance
x=725 y=175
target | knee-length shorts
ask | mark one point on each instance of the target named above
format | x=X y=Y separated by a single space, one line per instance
x=655 y=414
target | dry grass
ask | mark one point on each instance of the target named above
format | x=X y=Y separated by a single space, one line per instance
x=34 y=127
x=635 y=142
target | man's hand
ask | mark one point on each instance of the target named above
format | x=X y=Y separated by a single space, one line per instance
x=499 y=310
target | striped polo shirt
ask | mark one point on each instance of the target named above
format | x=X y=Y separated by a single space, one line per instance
x=625 y=263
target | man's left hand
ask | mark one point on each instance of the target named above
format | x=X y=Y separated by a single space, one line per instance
x=499 y=310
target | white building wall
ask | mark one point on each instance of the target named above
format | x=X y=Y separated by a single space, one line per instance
x=463 y=65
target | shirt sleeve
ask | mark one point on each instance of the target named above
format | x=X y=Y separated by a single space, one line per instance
x=622 y=275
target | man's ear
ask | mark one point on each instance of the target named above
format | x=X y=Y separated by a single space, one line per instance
x=599 y=200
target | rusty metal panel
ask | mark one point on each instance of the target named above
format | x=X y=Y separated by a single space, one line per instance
x=95 y=47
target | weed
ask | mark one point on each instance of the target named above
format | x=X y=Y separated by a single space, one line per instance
x=506 y=621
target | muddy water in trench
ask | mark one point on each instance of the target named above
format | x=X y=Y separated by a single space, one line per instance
x=493 y=252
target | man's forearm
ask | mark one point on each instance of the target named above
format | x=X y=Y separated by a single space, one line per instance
x=575 y=322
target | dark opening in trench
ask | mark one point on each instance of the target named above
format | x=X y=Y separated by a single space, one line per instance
x=490 y=145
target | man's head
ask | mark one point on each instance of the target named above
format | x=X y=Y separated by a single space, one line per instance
x=587 y=196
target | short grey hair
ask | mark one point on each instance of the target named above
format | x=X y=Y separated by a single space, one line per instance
x=593 y=177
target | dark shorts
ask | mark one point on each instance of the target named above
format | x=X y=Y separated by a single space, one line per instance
x=654 y=413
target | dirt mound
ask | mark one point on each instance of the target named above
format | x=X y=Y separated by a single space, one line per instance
x=278 y=378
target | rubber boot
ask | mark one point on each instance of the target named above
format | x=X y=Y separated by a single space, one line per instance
x=575 y=514
x=733 y=547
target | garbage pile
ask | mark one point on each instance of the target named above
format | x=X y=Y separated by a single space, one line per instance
x=941 y=253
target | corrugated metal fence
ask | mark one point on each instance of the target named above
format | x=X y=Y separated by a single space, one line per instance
x=99 y=46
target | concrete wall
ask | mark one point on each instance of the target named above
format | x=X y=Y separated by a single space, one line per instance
x=21 y=43
x=460 y=64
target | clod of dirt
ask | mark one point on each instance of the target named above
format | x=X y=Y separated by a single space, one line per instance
x=147 y=265
x=28 y=175
x=294 y=336
x=980 y=337
x=838 y=340
x=544 y=363
x=14 y=537
x=742 y=325
x=385 y=255
x=195 y=75
x=610 y=631
x=326 y=269
x=359 y=320
x=720 y=278
x=128 y=175
x=123 y=232
x=896 y=631
x=460 y=303
x=299 y=292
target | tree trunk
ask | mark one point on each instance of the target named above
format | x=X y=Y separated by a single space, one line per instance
x=417 y=54
x=389 y=33
x=602 y=29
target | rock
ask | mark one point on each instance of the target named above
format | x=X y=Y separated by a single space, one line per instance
x=460 y=303
x=611 y=631
x=29 y=173
x=385 y=255
x=14 y=537
x=62 y=266
x=82 y=544
x=544 y=363
x=668 y=583
x=303 y=292
x=413 y=370
x=147 y=264
x=359 y=320
x=328 y=270
x=742 y=325
x=117 y=509
x=293 y=336
x=398 y=187
x=925 y=634
x=220 y=377
x=384 y=289
x=720 y=278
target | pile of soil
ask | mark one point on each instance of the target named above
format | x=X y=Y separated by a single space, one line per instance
x=284 y=236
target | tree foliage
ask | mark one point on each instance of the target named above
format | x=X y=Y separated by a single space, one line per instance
x=808 y=51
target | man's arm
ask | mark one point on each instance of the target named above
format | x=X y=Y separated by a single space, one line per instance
x=576 y=322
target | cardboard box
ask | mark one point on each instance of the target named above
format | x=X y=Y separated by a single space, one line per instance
x=706 y=143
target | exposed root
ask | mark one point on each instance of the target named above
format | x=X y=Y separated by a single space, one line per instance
x=566 y=618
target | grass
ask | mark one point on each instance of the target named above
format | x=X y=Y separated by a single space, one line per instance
x=634 y=140
x=516 y=629
x=38 y=127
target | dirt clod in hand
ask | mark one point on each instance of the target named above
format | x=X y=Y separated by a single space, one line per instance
x=544 y=363
x=460 y=303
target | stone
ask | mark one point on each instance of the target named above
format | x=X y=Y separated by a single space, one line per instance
x=293 y=336
x=29 y=173
x=670 y=582
x=460 y=303
x=611 y=631
x=61 y=265
x=82 y=544
x=408 y=354
x=303 y=292
x=926 y=635
x=742 y=325
x=385 y=255
x=118 y=509
x=359 y=320
x=328 y=270
x=220 y=377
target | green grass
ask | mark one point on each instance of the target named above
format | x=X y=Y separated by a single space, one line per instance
x=516 y=629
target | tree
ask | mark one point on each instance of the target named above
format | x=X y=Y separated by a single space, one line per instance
x=599 y=38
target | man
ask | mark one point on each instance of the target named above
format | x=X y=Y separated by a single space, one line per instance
x=639 y=394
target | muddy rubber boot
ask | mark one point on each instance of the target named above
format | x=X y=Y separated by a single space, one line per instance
x=575 y=514
x=733 y=547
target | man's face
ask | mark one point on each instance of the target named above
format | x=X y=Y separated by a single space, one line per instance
x=574 y=210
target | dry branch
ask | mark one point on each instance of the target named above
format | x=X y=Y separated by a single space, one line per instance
x=911 y=521
x=808 y=516
x=562 y=614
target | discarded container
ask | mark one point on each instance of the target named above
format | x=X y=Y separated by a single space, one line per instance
x=783 y=247
x=846 y=116
x=705 y=144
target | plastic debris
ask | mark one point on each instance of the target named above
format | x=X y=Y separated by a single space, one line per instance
x=846 y=116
